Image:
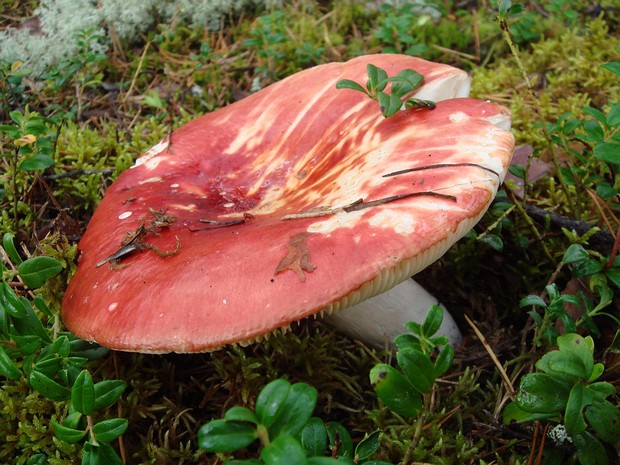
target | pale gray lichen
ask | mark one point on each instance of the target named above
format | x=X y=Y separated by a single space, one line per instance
x=559 y=435
x=55 y=37
x=60 y=20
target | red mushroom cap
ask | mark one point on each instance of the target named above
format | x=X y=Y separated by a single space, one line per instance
x=205 y=254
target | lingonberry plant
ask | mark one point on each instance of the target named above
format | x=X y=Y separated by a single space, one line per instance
x=282 y=422
x=405 y=82
x=565 y=393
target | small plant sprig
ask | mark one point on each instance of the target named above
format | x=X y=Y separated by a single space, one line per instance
x=564 y=391
x=402 y=390
x=53 y=362
x=422 y=357
x=282 y=421
x=405 y=82
x=602 y=276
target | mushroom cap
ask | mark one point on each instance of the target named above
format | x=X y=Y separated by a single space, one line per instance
x=300 y=147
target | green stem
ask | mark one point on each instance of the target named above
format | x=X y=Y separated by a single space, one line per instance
x=505 y=28
x=15 y=193
x=426 y=410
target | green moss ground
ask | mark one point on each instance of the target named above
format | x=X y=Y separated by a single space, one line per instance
x=114 y=106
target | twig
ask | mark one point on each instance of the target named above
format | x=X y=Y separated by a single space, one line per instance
x=502 y=372
x=601 y=240
x=77 y=173
x=439 y=166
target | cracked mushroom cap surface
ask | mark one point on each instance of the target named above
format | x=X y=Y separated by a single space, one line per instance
x=299 y=199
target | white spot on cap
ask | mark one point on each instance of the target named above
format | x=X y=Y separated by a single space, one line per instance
x=149 y=180
x=153 y=151
x=175 y=185
x=112 y=306
x=125 y=215
x=224 y=301
x=228 y=205
x=458 y=117
x=401 y=223
x=191 y=207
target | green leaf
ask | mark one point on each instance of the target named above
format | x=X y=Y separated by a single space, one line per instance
x=83 y=393
x=8 y=245
x=271 y=400
x=349 y=84
x=314 y=437
x=367 y=446
x=296 y=411
x=40 y=304
x=109 y=430
x=433 y=321
x=8 y=368
x=389 y=104
x=605 y=420
x=86 y=349
x=48 y=387
x=340 y=439
x=326 y=461
x=238 y=413
x=91 y=455
x=415 y=328
x=37 y=459
x=564 y=366
x=37 y=162
x=225 y=436
x=613 y=66
x=443 y=362
x=608 y=151
x=30 y=324
x=587 y=267
x=599 y=391
x=418 y=369
x=10 y=302
x=589 y=450
x=35 y=271
x=377 y=78
x=513 y=412
x=613 y=118
x=100 y=454
x=73 y=420
x=542 y=393
x=66 y=434
x=284 y=450
x=532 y=300
x=17 y=117
x=575 y=253
x=573 y=418
x=403 y=341
x=493 y=241
x=581 y=347
x=395 y=390
x=405 y=82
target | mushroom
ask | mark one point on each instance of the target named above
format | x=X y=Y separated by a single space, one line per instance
x=299 y=200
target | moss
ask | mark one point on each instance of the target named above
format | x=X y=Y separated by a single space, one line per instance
x=25 y=426
x=567 y=75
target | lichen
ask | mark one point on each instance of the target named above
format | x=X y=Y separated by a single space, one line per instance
x=60 y=20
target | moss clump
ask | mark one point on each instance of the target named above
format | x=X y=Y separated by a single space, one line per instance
x=567 y=74
x=25 y=426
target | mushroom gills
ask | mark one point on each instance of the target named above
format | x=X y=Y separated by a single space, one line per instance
x=378 y=320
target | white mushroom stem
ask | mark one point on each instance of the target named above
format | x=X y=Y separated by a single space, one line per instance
x=378 y=320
